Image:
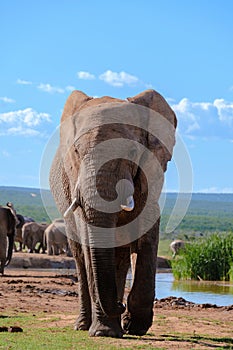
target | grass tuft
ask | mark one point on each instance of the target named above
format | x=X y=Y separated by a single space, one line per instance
x=209 y=258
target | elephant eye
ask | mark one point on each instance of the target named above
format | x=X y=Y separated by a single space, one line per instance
x=132 y=153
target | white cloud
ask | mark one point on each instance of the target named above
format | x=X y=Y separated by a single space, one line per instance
x=70 y=88
x=7 y=99
x=50 y=89
x=85 y=75
x=21 y=131
x=205 y=119
x=22 y=122
x=186 y=116
x=27 y=116
x=23 y=82
x=5 y=154
x=216 y=190
x=118 y=79
x=225 y=110
x=44 y=87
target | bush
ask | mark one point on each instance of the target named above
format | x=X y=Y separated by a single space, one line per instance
x=210 y=259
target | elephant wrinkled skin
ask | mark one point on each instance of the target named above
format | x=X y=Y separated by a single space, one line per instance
x=106 y=179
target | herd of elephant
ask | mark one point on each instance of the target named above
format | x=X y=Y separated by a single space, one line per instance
x=30 y=235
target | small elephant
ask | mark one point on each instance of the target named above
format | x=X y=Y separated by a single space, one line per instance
x=18 y=236
x=176 y=245
x=33 y=233
x=8 y=222
x=106 y=179
x=56 y=239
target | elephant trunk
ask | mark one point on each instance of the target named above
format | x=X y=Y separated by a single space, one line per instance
x=101 y=204
x=10 y=249
x=103 y=260
x=101 y=237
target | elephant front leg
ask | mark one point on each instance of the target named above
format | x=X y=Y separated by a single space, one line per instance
x=104 y=325
x=83 y=321
x=139 y=315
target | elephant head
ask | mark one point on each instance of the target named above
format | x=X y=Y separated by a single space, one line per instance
x=111 y=160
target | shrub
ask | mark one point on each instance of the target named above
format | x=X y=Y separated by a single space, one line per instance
x=209 y=258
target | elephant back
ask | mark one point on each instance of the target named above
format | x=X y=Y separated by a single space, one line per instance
x=8 y=220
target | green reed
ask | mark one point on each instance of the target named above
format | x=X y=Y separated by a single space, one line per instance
x=209 y=258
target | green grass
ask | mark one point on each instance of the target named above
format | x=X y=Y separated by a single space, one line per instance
x=209 y=258
x=41 y=333
x=164 y=249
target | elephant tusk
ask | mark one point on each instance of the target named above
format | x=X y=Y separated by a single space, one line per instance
x=129 y=204
x=72 y=207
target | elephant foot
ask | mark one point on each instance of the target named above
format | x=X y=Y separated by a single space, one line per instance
x=106 y=328
x=137 y=324
x=82 y=323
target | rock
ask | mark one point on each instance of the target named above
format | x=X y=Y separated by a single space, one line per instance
x=15 y=329
x=3 y=329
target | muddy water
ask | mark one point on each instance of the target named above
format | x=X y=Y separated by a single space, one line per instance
x=201 y=292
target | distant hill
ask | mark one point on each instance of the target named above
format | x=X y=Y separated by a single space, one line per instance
x=206 y=212
x=30 y=202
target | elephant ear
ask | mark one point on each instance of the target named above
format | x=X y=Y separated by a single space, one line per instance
x=60 y=172
x=73 y=104
x=153 y=100
x=161 y=125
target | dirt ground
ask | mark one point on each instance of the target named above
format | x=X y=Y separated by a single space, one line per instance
x=178 y=324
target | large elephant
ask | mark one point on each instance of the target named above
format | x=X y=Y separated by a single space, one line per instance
x=8 y=223
x=106 y=179
x=33 y=234
x=55 y=238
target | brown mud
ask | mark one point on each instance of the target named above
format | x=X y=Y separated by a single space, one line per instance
x=178 y=324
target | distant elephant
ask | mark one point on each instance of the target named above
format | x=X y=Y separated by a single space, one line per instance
x=32 y=234
x=56 y=239
x=106 y=179
x=18 y=236
x=8 y=221
x=176 y=245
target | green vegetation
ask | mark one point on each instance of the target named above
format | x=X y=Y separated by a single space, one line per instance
x=206 y=212
x=210 y=258
x=42 y=332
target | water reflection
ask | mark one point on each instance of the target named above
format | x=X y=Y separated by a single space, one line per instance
x=202 y=292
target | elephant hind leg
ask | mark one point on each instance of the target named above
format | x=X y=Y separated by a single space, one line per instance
x=2 y=265
x=3 y=252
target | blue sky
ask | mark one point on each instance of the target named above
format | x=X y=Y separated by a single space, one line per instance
x=182 y=49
